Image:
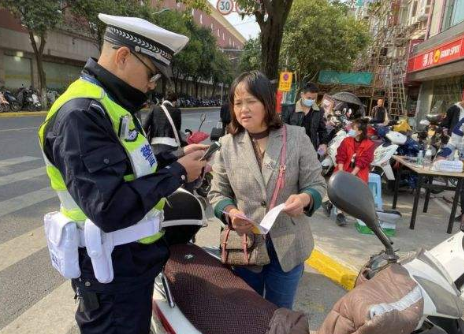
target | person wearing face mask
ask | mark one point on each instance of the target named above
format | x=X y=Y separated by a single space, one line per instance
x=307 y=114
x=111 y=186
x=355 y=155
x=246 y=176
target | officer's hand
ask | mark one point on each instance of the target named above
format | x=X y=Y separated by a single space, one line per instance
x=193 y=165
x=438 y=158
x=194 y=147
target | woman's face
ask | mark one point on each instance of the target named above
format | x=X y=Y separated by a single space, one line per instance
x=248 y=110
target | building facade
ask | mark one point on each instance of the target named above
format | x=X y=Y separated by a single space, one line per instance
x=68 y=48
x=436 y=64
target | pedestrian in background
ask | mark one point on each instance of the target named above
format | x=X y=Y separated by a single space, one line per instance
x=163 y=126
x=355 y=155
x=245 y=175
x=307 y=114
x=453 y=115
x=380 y=114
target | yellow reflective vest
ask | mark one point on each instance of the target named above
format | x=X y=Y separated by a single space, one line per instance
x=137 y=148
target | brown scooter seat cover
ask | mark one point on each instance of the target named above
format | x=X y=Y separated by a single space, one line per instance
x=351 y=313
x=218 y=302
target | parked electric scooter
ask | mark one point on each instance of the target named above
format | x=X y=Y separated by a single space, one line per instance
x=420 y=294
x=438 y=273
x=12 y=100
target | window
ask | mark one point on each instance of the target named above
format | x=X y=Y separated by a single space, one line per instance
x=230 y=42
x=414 y=9
x=212 y=27
x=458 y=12
x=223 y=36
x=201 y=19
x=219 y=33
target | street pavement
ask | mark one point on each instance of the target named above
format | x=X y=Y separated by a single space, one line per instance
x=33 y=297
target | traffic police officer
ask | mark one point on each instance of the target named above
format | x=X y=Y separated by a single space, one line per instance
x=105 y=173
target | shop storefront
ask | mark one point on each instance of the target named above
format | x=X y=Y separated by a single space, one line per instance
x=439 y=70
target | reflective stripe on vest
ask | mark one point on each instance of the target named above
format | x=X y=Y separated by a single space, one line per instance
x=135 y=144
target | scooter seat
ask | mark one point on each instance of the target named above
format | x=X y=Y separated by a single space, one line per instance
x=212 y=297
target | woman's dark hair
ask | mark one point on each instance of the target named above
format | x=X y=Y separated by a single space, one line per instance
x=171 y=96
x=362 y=124
x=258 y=85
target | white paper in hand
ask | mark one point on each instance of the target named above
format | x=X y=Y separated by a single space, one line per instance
x=269 y=220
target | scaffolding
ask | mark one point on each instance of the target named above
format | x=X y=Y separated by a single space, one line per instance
x=386 y=57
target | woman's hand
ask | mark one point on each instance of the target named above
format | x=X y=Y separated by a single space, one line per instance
x=295 y=204
x=238 y=224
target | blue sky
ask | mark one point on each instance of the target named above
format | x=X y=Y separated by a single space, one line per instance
x=247 y=27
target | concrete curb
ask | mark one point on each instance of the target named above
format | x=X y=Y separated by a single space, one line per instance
x=332 y=268
x=23 y=113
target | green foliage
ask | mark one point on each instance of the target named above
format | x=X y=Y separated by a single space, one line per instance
x=251 y=56
x=35 y=17
x=320 y=36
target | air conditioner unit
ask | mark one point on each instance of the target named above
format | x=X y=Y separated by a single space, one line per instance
x=423 y=10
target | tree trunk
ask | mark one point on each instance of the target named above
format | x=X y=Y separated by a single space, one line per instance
x=214 y=89
x=38 y=53
x=272 y=29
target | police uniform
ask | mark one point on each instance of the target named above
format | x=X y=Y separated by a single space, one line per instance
x=106 y=176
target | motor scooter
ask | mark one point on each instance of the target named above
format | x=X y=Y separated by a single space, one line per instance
x=420 y=293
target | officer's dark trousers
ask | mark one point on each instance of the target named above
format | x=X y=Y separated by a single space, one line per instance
x=120 y=313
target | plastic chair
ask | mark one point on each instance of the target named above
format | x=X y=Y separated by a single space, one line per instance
x=375 y=185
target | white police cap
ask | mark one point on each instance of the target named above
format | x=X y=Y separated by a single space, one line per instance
x=141 y=36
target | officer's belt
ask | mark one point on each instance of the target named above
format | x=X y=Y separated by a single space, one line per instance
x=129 y=234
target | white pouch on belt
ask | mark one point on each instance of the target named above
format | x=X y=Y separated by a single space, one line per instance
x=63 y=242
x=99 y=247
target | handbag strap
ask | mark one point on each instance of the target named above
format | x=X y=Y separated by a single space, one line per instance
x=224 y=245
x=281 y=178
x=168 y=116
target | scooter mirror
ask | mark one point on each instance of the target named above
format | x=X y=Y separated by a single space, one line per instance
x=351 y=195
x=203 y=117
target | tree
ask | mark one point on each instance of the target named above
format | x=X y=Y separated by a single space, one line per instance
x=89 y=10
x=250 y=58
x=222 y=70
x=320 y=36
x=271 y=16
x=38 y=19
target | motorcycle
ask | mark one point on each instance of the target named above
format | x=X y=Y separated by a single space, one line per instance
x=12 y=100
x=421 y=293
x=4 y=105
x=29 y=99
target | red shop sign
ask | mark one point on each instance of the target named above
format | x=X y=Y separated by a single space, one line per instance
x=441 y=55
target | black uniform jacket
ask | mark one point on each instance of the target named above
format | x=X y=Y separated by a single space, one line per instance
x=82 y=144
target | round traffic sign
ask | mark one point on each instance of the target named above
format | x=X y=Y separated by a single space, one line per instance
x=225 y=7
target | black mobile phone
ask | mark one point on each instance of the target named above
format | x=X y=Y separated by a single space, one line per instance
x=209 y=153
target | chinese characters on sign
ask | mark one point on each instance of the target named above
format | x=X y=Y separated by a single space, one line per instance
x=438 y=56
x=285 y=82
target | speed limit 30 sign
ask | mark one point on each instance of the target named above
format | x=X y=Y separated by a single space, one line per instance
x=225 y=7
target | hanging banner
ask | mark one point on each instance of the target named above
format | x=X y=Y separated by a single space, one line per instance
x=285 y=82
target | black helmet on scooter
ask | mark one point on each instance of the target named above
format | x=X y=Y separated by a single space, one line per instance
x=183 y=217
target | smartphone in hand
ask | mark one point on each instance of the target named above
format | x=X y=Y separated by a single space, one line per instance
x=209 y=153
